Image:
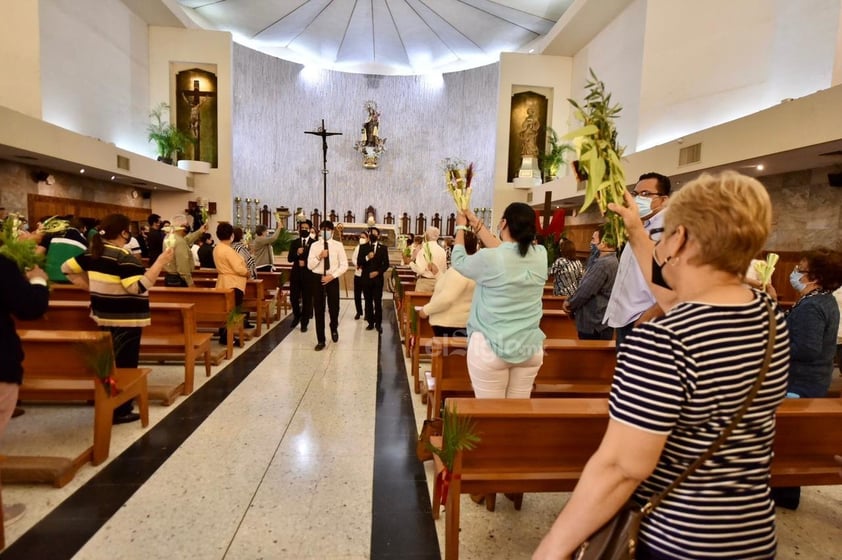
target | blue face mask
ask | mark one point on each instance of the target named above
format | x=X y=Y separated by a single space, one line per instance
x=644 y=205
x=328 y=235
x=795 y=281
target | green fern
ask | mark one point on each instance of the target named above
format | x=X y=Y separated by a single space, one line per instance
x=234 y=317
x=23 y=252
x=458 y=434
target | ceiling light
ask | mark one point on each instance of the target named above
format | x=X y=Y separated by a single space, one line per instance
x=760 y=167
x=82 y=170
x=531 y=51
x=113 y=177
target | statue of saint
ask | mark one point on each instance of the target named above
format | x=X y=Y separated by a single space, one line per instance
x=370 y=128
x=529 y=134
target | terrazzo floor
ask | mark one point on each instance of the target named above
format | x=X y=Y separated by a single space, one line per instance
x=287 y=453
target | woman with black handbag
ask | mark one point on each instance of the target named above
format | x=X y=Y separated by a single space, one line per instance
x=692 y=405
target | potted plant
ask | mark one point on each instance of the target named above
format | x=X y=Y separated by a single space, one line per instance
x=554 y=156
x=167 y=137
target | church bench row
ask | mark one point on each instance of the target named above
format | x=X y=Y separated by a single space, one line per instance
x=173 y=335
x=213 y=308
x=554 y=324
x=57 y=366
x=571 y=368
x=542 y=445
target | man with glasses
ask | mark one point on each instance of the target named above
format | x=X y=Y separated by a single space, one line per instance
x=631 y=299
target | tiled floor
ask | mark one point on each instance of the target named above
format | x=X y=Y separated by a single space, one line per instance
x=288 y=453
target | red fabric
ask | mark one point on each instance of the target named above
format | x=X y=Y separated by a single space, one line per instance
x=556 y=223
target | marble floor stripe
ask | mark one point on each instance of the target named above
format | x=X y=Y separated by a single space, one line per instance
x=69 y=526
x=402 y=525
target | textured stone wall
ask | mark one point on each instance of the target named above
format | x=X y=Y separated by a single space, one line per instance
x=807 y=210
x=16 y=183
x=275 y=101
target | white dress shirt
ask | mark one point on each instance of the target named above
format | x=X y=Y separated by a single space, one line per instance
x=439 y=255
x=631 y=296
x=336 y=252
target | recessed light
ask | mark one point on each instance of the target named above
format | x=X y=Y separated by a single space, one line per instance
x=531 y=51
x=760 y=167
x=82 y=170
x=113 y=177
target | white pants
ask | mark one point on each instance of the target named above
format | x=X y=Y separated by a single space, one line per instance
x=495 y=378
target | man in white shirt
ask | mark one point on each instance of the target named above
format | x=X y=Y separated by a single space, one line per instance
x=631 y=299
x=430 y=262
x=327 y=263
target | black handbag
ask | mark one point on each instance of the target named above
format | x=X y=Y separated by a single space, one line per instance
x=617 y=539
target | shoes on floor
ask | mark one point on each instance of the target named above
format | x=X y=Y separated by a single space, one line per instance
x=295 y=321
x=379 y=329
x=248 y=325
x=357 y=317
x=18 y=412
x=126 y=418
x=370 y=327
x=303 y=327
x=12 y=513
x=320 y=346
x=334 y=336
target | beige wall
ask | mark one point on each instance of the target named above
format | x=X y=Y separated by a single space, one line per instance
x=20 y=54
x=169 y=46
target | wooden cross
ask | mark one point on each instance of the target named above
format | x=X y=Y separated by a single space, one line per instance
x=548 y=208
x=196 y=98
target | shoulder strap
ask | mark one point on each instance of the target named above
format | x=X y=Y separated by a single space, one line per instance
x=770 y=347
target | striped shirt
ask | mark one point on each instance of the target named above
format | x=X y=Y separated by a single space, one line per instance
x=566 y=275
x=686 y=375
x=119 y=296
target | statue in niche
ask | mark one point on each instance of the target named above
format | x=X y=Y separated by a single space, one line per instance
x=529 y=134
x=370 y=144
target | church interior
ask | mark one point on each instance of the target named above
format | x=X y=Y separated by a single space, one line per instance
x=348 y=111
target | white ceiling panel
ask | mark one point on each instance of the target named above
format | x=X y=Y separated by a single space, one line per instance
x=383 y=36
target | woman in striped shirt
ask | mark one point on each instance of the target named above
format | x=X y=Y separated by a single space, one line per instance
x=119 y=292
x=679 y=381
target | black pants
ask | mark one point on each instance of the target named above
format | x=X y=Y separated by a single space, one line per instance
x=373 y=289
x=449 y=331
x=623 y=332
x=300 y=295
x=358 y=294
x=321 y=292
x=264 y=268
x=607 y=334
x=126 y=341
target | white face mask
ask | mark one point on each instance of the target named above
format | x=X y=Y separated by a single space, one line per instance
x=363 y=241
x=312 y=235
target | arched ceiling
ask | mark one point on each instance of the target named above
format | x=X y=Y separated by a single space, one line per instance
x=387 y=37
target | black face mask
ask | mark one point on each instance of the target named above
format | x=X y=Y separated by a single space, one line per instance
x=373 y=238
x=303 y=233
x=658 y=273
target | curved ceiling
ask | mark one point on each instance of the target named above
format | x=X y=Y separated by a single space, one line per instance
x=387 y=37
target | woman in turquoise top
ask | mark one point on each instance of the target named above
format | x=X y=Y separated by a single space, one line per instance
x=505 y=342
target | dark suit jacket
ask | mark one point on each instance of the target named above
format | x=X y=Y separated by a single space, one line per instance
x=293 y=255
x=379 y=262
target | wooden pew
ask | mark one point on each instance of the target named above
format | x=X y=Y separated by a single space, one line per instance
x=254 y=300
x=273 y=287
x=213 y=308
x=68 y=292
x=571 y=368
x=411 y=300
x=558 y=324
x=56 y=369
x=172 y=335
x=552 y=302
x=542 y=445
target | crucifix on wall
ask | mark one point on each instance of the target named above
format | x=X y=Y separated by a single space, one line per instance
x=196 y=114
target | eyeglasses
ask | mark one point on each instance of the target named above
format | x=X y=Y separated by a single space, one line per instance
x=646 y=194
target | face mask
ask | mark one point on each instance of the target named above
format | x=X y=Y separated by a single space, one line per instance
x=658 y=273
x=303 y=233
x=312 y=235
x=795 y=281
x=363 y=241
x=373 y=238
x=644 y=205
x=328 y=235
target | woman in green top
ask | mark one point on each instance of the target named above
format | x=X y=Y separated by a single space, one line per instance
x=505 y=342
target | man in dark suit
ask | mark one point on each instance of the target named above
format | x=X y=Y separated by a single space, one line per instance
x=299 y=279
x=155 y=238
x=373 y=258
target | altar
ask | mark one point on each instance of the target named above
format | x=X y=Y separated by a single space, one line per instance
x=388 y=234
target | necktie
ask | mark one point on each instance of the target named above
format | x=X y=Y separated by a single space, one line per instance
x=326 y=261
